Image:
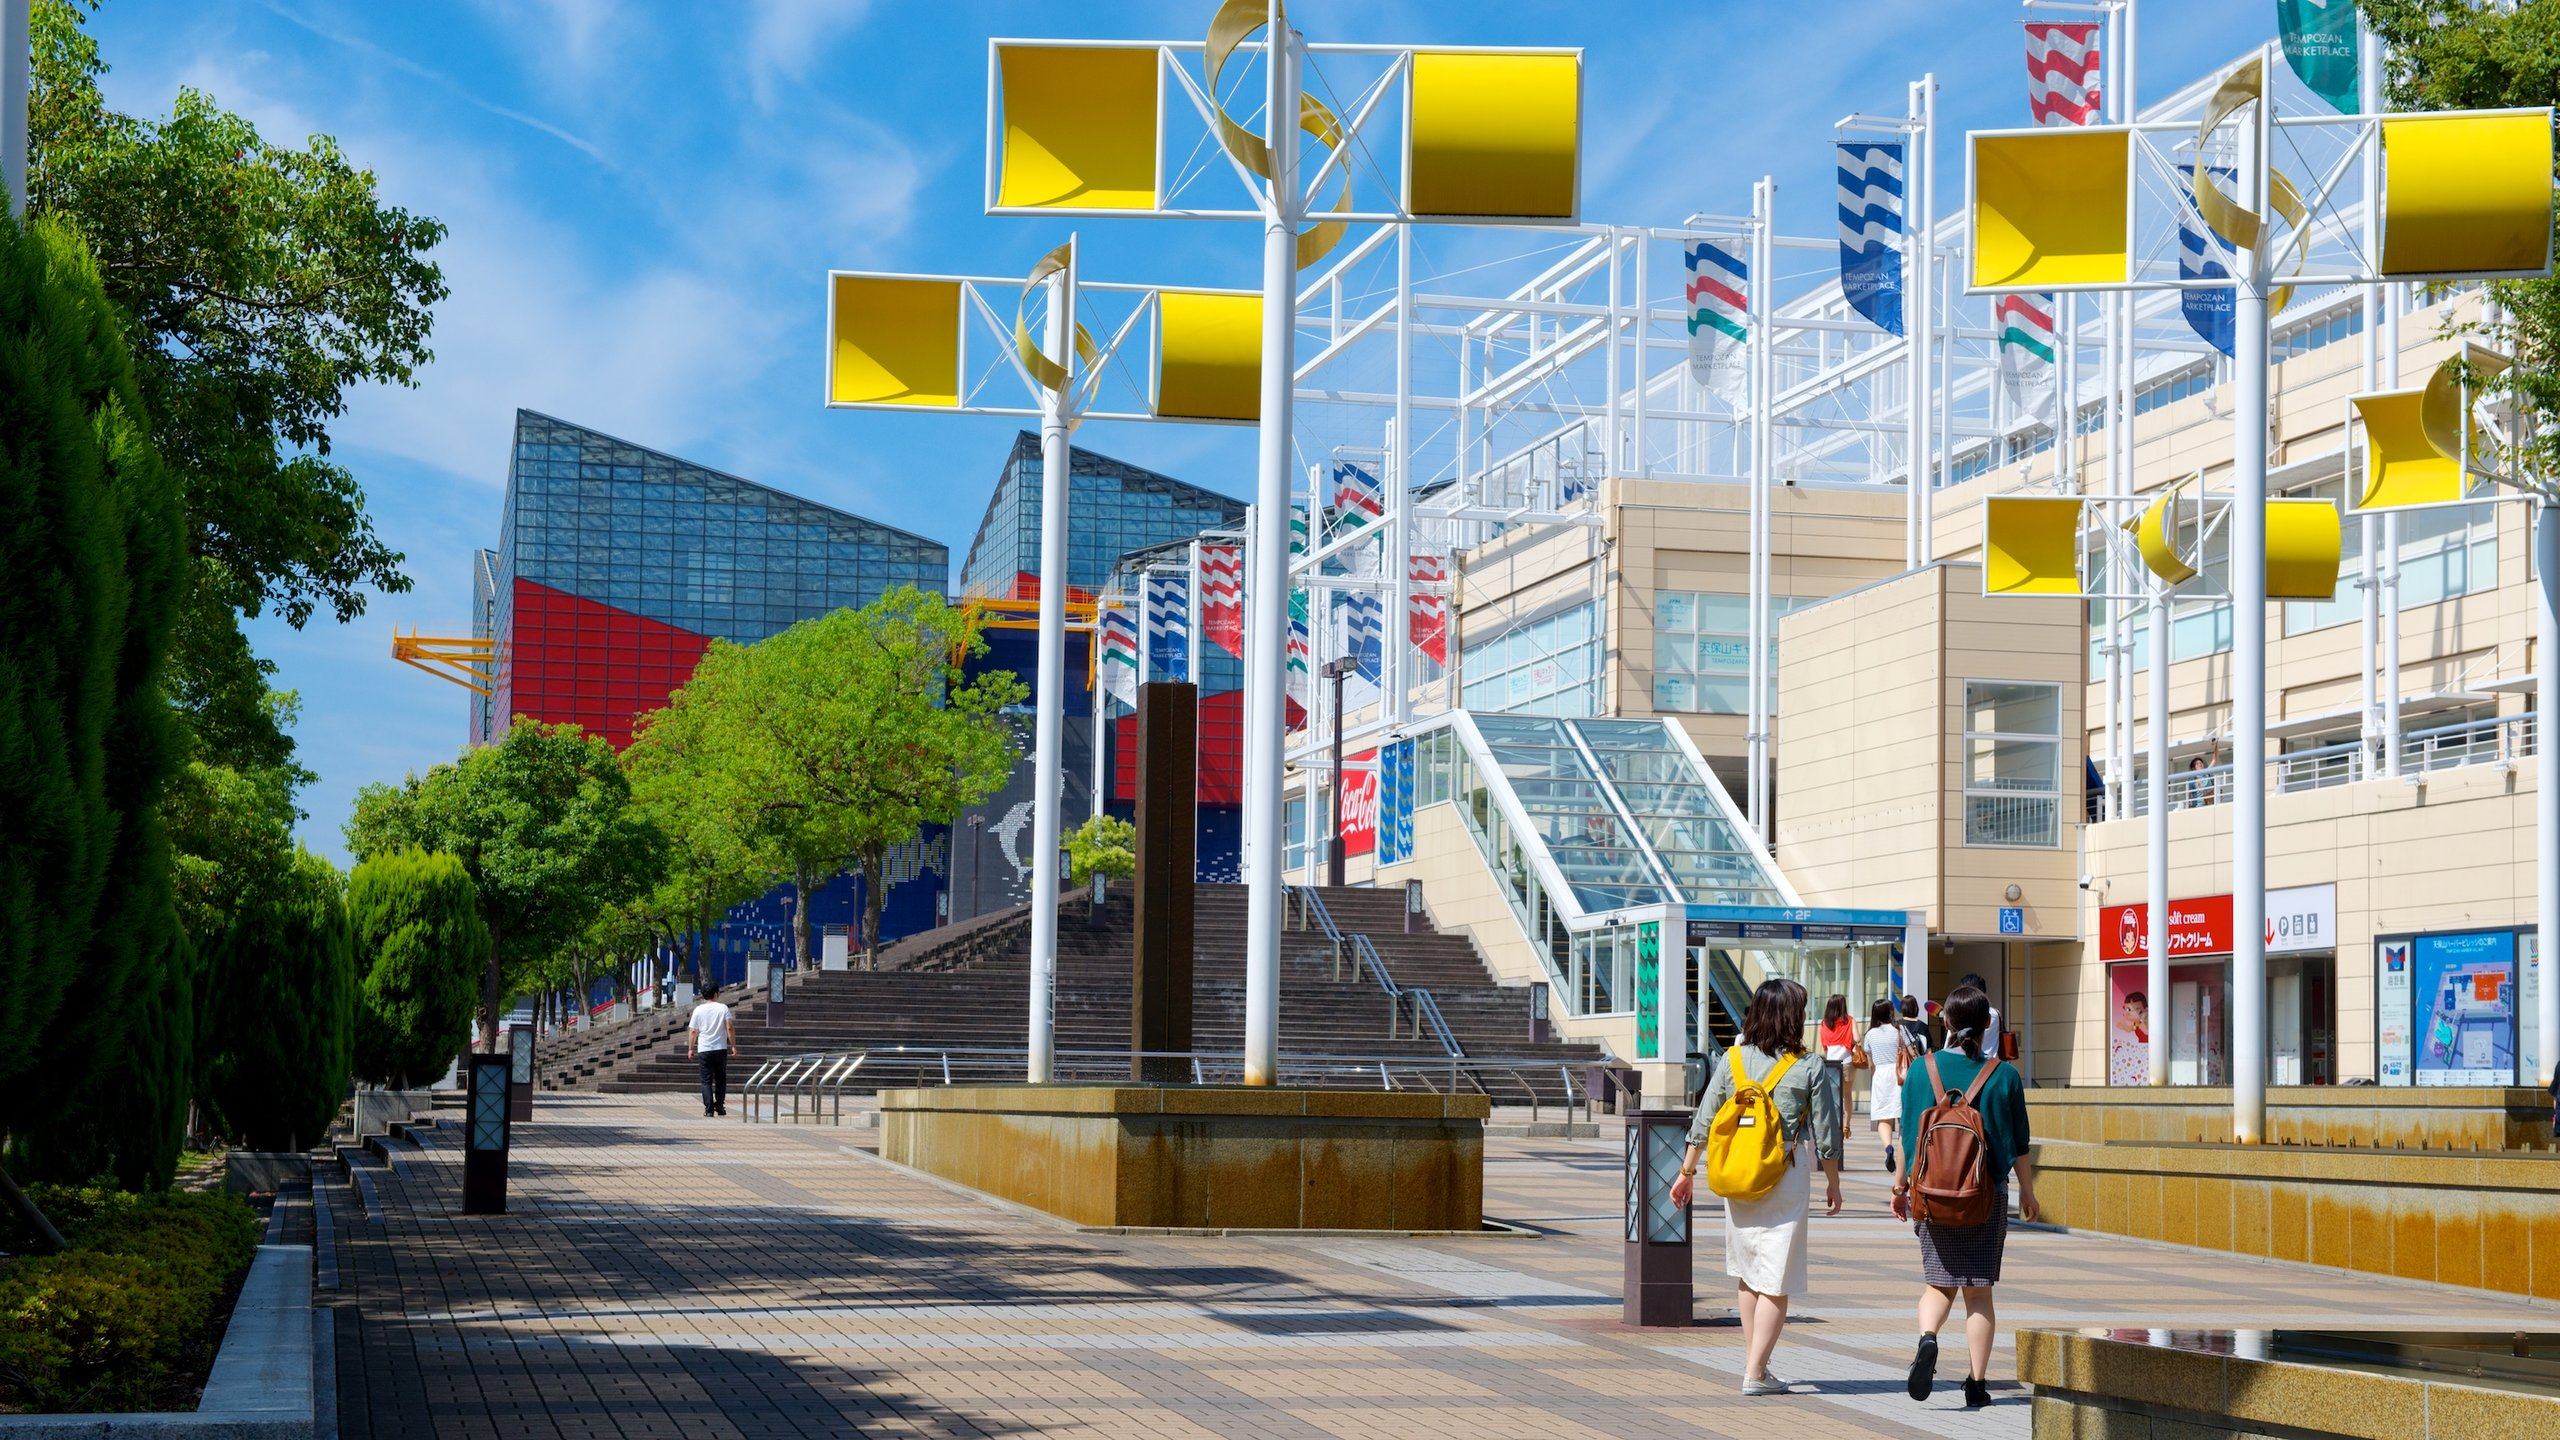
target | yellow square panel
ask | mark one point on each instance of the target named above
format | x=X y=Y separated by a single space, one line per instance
x=1494 y=135
x=896 y=342
x=1208 y=355
x=2031 y=545
x=2466 y=194
x=2050 y=209
x=2303 y=544
x=2402 y=465
x=1079 y=127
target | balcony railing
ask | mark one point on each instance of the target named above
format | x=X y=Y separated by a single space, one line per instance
x=2501 y=740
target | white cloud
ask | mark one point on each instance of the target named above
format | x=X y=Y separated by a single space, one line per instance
x=784 y=37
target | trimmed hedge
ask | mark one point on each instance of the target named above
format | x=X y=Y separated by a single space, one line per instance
x=125 y=1317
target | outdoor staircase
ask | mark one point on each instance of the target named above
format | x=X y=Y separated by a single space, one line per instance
x=963 y=990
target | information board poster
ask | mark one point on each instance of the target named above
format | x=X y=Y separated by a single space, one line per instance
x=2391 y=1003
x=2128 y=1025
x=2463 y=1008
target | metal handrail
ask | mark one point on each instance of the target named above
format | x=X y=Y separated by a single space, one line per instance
x=823 y=1078
x=2499 y=739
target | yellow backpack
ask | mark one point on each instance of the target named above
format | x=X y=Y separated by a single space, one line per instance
x=1747 y=1153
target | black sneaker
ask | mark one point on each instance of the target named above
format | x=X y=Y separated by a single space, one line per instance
x=1924 y=1368
x=1976 y=1393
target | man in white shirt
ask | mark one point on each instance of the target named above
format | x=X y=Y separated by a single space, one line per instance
x=707 y=1040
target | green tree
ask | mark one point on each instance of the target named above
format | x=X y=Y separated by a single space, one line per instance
x=92 y=542
x=2459 y=55
x=259 y=284
x=422 y=948
x=543 y=822
x=1103 y=845
x=844 y=736
x=285 y=1026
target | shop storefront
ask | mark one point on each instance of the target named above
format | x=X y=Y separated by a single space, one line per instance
x=2302 y=995
x=2450 y=1007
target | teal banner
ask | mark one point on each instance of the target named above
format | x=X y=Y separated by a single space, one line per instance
x=2320 y=45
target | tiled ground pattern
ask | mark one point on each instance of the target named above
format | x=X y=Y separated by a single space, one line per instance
x=664 y=1275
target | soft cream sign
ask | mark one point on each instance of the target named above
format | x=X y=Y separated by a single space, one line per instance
x=2302 y=918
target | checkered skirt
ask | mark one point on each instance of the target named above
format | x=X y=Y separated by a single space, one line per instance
x=1955 y=1257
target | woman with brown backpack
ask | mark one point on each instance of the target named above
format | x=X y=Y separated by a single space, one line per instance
x=1964 y=1133
x=1754 y=1125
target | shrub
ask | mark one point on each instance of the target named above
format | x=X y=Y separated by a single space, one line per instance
x=123 y=1319
x=284 y=1031
x=420 y=946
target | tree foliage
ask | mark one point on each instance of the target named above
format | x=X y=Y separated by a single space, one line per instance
x=92 y=542
x=839 y=739
x=2459 y=55
x=259 y=284
x=421 y=948
x=1104 y=844
x=285 y=1020
x=543 y=823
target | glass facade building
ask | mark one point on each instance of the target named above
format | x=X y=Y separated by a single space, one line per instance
x=617 y=565
x=1113 y=508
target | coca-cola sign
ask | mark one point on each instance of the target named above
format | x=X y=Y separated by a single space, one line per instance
x=1360 y=804
x=2302 y=918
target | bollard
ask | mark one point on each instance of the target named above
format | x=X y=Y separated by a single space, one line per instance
x=519 y=1072
x=773 y=997
x=1412 y=906
x=1537 y=1012
x=485 y=1137
x=1659 y=1288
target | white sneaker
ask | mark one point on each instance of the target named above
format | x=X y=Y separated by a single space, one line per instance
x=1769 y=1383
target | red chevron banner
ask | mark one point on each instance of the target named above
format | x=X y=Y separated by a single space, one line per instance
x=1222 y=597
x=2063 y=65
x=1427 y=618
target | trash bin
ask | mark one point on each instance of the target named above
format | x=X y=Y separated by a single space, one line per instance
x=1693 y=1081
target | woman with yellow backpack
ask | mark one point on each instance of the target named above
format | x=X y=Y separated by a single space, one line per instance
x=1760 y=1114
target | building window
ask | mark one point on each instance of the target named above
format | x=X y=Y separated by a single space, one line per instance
x=2012 y=763
x=1547 y=666
x=2346 y=606
x=1702 y=650
x=1293 y=847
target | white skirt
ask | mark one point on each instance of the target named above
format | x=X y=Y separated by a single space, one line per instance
x=1764 y=1239
x=1884 y=1096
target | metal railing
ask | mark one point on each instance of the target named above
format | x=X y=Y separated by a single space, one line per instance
x=1355 y=953
x=820 y=1079
x=2501 y=740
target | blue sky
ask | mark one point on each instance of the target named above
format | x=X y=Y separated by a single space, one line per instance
x=644 y=197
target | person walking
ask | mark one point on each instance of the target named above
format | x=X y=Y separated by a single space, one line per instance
x=707 y=1039
x=1967 y=1136
x=1915 y=1029
x=1884 y=1046
x=1764 y=1237
x=1839 y=1041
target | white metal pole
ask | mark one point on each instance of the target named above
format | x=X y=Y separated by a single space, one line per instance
x=2369 y=529
x=1916 y=361
x=1266 y=663
x=1191 y=622
x=2546 y=798
x=2249 y=646
x=16 y=44
x=1049 y=709
x=1764 y=389
x=2388 y=379
x=1100 y=748
x=1395 y=645
x=1927 y=111
x=2156 y=840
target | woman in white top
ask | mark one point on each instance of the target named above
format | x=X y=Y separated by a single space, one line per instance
x=1764 y=1239
x=1884 y=1043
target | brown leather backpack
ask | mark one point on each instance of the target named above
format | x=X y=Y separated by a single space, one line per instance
x=1951 y=1184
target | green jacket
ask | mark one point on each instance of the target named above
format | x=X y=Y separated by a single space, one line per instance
x=2003 y=1104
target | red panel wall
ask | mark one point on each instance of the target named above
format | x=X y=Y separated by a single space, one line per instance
x=576 y=661
x=1221 y=751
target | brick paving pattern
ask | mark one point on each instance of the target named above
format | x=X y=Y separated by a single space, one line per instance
x=660 y=1274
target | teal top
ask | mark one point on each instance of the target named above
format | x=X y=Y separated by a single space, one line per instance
x=2003 y=1103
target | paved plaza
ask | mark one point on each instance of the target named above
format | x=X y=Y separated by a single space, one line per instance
x=660 y=1274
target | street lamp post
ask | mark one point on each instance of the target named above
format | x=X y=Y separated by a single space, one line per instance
x=977 y=861
x=1337 y=670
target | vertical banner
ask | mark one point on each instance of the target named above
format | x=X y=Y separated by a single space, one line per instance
x=1120 y=656
x=2027 y=341
x=2320 y=46
x=1871 y=230
x=1649 y=990
x=1360 y=803
x=1395 y=802
x=2064 y=64
x=1427 y=623
x=1362 y=617
x=2391 y=1010
x=1719 y=321
x=1358 y=501
x=1168 y=619
x=2209 y=313
x=1296 y=683
x=1222 y=597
